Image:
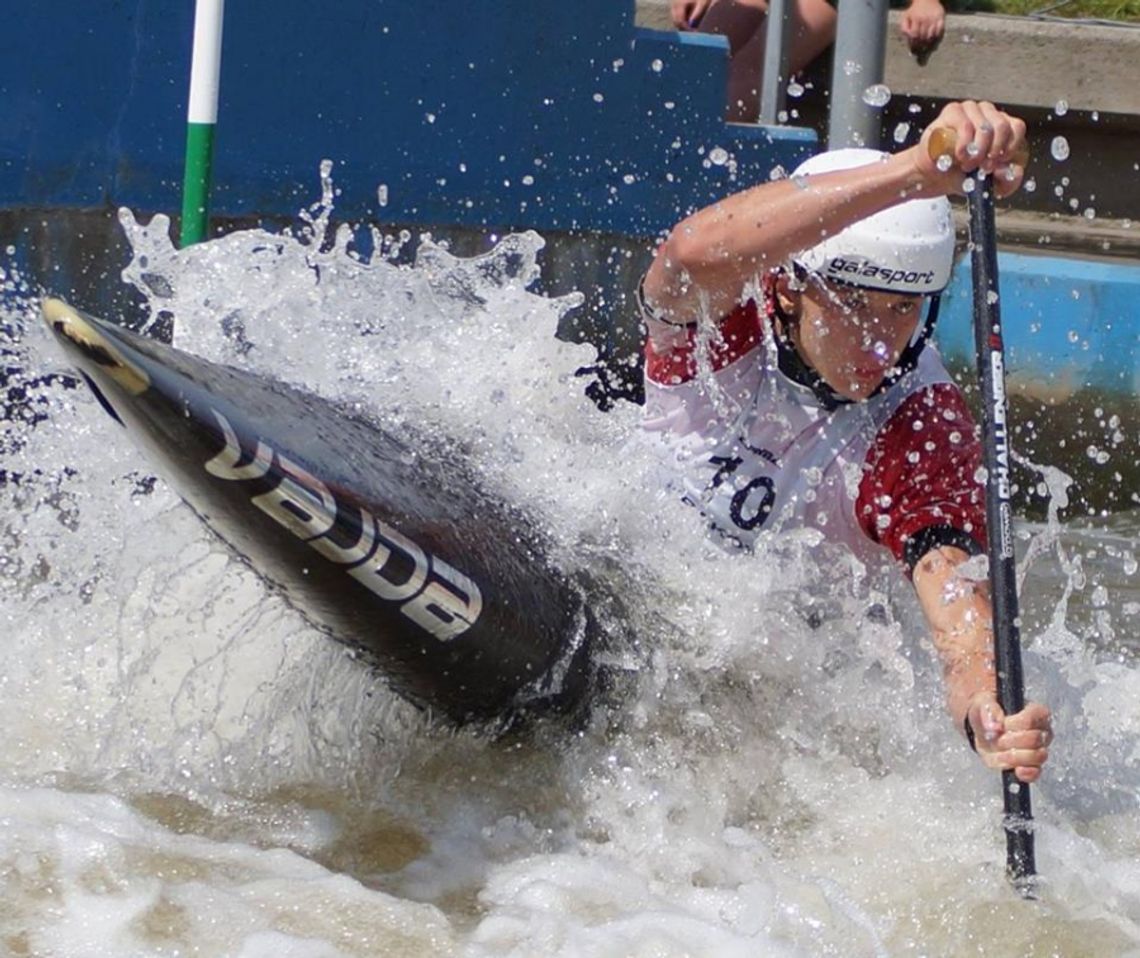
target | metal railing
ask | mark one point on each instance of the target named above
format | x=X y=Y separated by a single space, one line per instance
x=859 y=58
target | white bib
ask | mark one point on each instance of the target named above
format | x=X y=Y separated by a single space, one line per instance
x=757 y=453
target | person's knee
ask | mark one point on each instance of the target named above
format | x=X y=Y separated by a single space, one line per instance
x=738 y=20
x=817 y=19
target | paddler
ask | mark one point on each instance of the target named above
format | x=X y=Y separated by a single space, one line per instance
x=828 y=408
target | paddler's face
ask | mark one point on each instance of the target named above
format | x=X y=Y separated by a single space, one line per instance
x=853 y=337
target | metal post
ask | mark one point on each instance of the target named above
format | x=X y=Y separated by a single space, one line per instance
x=201 y=118
x=777 y=61
x=860 y=52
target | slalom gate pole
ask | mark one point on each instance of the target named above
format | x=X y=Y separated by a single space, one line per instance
x=201 y=118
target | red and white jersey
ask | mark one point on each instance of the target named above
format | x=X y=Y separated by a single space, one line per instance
x=757 y=452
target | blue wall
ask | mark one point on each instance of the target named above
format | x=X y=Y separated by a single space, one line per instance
x=1067 y=322
x=554 y=115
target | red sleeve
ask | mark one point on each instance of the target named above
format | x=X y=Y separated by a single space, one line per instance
x=739 y=332
x=921 y=483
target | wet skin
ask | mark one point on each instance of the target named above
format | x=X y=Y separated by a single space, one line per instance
x=852 y=337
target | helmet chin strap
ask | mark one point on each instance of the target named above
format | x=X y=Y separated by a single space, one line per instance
x=909 y=358
x=798 y=370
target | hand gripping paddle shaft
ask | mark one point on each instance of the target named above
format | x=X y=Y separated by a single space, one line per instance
x=990 y=355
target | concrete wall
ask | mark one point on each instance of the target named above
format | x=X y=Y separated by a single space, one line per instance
x=1018 y=60
x=1026 y=62
x=1075 y=80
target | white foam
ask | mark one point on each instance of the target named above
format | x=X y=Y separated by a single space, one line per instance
x=768 y=784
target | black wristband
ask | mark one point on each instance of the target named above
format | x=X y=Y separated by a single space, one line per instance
x=921 y=542
x=969 y=729
x=648 y=312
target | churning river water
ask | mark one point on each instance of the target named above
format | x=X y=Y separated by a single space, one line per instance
x=186 y=768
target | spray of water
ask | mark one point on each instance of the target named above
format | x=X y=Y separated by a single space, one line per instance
x=776 y=775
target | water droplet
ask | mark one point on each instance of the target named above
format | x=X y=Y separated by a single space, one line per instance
x=657 y=66
x=1090 y=213
x=800 y=181
x=851 y=67
x=944 y=162
x=992 y=297
x=877 y=94
x=1061 y=108
x=718 y=156
x=1059 y=148
x=973 y=149
x=1030 y=185
x=795 y=89
x=902 y=130
x=969 y=184
x=598 y=98
x=382 y=194
x=430 y=117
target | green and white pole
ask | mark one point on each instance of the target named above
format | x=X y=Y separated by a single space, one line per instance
x=201 y=118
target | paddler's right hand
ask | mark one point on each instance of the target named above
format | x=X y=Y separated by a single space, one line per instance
x=973 y=136
x=1020 y=741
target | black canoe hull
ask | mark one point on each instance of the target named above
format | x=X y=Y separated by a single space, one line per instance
x=385 y=542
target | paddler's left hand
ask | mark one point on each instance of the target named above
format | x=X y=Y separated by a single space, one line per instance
x=1020 y=741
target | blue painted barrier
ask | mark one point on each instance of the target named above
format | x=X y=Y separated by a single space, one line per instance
x=1068 y=323
x=555 y=116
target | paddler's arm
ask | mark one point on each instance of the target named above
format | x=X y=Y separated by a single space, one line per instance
x=958 y=611
x=708 y=257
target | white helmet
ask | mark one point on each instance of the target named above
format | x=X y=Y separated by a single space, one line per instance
x=908 y=248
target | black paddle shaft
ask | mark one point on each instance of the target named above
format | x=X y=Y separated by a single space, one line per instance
x=999 y=514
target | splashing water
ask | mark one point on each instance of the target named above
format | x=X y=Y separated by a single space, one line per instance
x=877 y=95
x=186 y=766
